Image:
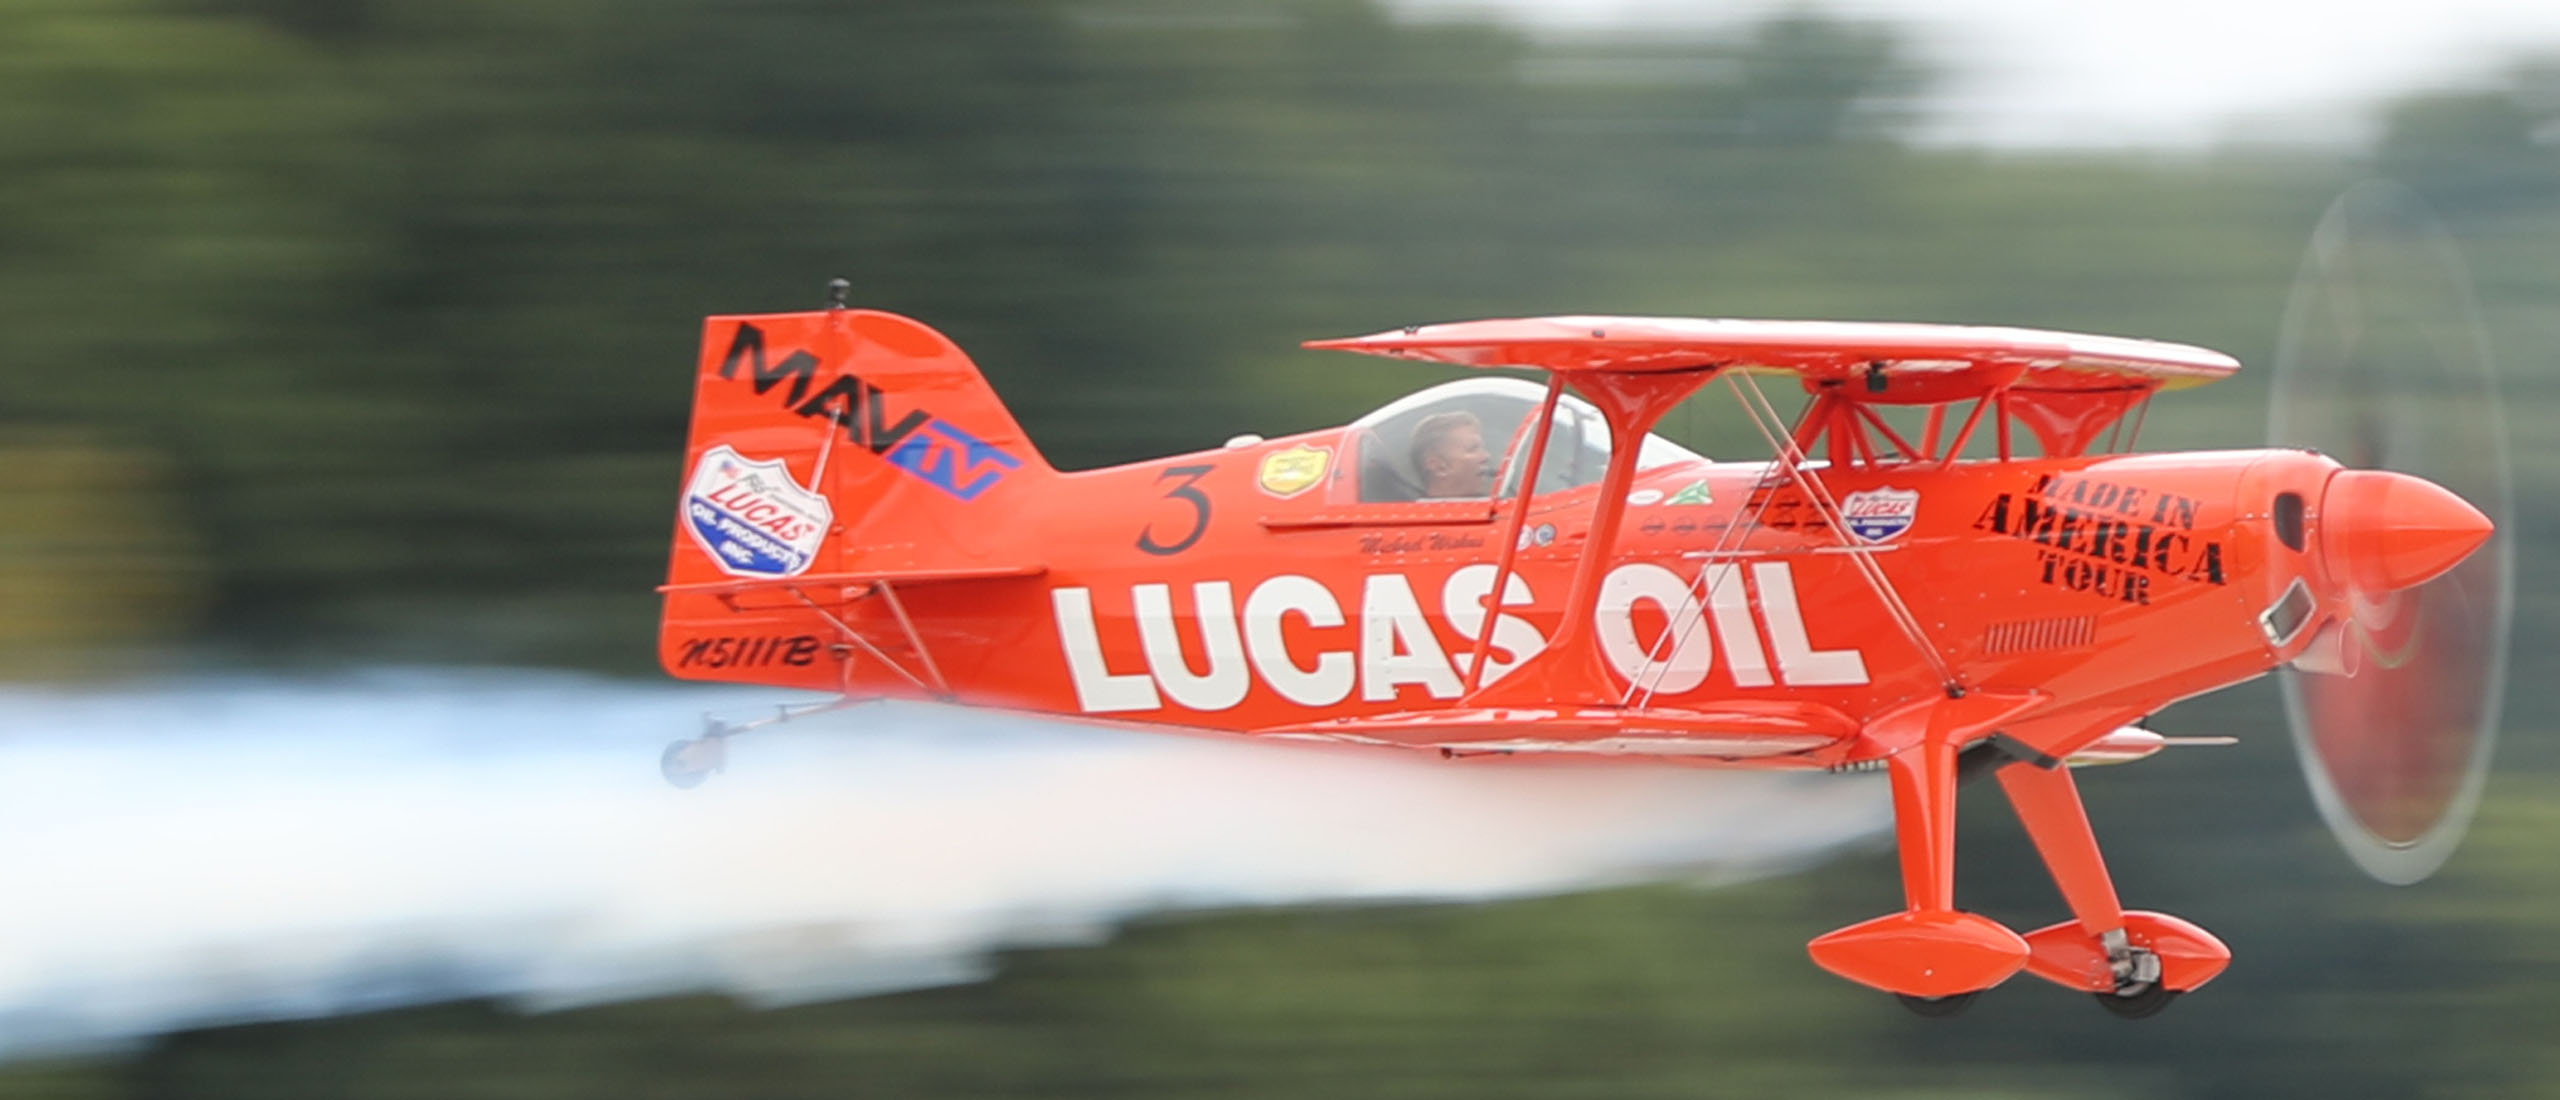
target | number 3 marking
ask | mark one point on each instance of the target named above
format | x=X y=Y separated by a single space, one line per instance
x=1199 y=502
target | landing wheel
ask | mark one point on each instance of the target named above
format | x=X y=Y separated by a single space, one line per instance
x=686 y=764
x=2138 y=1005
x=1937 y=1007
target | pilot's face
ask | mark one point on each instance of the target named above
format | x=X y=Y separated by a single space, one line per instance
x=1460 y=466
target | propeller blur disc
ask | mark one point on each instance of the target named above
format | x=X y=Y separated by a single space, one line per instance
x=2383 y=364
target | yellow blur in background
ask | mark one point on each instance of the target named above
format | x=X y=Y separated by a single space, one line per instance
x=97 y=566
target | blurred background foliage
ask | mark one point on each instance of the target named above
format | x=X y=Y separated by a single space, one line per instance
x=360 y=329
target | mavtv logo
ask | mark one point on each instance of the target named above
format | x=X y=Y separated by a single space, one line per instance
x=929 y=448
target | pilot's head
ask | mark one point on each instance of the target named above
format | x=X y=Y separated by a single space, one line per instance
x=1449 y=451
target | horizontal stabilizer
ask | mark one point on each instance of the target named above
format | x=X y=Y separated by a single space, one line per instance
x=877 y=576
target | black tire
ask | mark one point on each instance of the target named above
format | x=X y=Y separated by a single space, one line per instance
x=1937 y=1008
x=2139 y=1006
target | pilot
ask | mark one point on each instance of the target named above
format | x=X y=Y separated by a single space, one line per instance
x=1449 y=452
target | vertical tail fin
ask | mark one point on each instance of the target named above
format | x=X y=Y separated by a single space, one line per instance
x=832 y=445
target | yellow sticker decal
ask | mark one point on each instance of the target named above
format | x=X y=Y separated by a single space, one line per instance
x=1295 y=470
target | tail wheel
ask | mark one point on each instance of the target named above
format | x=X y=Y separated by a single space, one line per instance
x=686 y=764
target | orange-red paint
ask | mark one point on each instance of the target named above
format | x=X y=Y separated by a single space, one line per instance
x=862 y=515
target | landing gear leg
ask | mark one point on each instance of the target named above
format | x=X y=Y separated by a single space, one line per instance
x=1924 y=822
x=1935 y=957
x=2135 y=963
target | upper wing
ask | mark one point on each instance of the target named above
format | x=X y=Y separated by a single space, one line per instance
x=1835 y=352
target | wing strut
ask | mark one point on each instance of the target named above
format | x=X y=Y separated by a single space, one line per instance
x=1764 y=417
x=1571 y=671
x=1511 y=532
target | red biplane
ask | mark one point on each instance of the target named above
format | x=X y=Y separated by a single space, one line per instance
x=1512 y=567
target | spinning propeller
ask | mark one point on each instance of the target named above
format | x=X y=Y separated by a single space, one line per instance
x=2382 y=364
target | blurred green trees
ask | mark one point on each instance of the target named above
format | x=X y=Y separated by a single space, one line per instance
x=380 y=314
x=405 y=292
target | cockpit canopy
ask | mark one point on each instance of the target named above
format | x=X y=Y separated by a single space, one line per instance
x=1396 y=451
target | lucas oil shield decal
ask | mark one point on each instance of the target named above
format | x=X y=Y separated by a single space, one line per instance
x=1880 y=514
x=751 y=517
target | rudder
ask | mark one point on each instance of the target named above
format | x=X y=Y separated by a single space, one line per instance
x=826 y=447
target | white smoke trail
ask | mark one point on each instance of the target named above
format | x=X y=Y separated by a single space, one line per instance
x=235 y=850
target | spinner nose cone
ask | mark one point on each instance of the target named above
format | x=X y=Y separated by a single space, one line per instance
x=2383 y=532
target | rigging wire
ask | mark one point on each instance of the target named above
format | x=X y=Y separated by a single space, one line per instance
x=1790 y=459
x=1640 y=691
